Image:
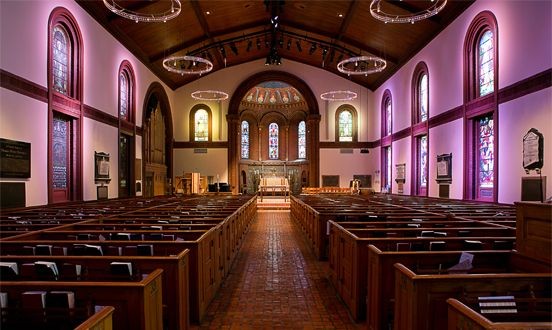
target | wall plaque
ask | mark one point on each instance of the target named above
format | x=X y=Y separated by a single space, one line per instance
x=533 y=149
x=400 y=173
x=444 y=168
x=101 y=166
x=15 y=159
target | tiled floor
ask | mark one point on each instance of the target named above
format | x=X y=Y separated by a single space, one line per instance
x=276 y=283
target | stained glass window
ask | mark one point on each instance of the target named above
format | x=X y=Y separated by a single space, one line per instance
x=245 y=139
x=423 y=97
x=302 y=140
x=60 y=59
x=273 y=141
x=345 y=126
x=201 y=125
x=59 y=157
x=388 y=116
x=486 y=64
x=486 y=152
x=123 y=95
x=423 y=161
x=388 y=169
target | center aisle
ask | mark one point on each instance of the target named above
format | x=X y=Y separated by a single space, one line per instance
x=276 y=282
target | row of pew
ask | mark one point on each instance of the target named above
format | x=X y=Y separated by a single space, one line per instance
x=157 y=262
x=395 y=260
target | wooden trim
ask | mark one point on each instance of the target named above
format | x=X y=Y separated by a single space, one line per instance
x=405 y=132
x=446 y=117
x=23 y=86
x=353 y=145
x=535 y=83
x=193 y=145
x=100 y=116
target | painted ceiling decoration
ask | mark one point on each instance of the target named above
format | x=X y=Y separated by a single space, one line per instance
x=273 y=93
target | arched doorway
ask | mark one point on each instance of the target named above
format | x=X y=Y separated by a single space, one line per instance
x=157 y=141
x=236 y=113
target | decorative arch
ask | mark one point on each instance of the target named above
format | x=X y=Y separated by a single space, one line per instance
x=192 y=121
x=65 y=113
x=341 y=109
x=312 y=121
x=157 y=97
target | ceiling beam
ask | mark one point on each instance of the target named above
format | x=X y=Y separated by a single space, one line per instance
x=203 y=22
x=347 y=20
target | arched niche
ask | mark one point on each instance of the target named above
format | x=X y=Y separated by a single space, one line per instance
x=234 y=124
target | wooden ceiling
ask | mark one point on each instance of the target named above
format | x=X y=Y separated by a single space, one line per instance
x=344 y=28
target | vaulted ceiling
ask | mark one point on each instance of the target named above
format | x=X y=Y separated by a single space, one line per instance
x=319 y=33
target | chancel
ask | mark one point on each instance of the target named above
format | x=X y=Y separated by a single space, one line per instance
x=181 y=164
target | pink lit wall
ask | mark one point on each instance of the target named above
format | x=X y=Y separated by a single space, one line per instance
x=23 y=52
x=525 y=49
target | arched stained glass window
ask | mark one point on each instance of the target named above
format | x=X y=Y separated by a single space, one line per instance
x=345 y=126
x=273 y=141
x=388 y=112
x=302 y=140
x=423 y=97
x=123 y=95
x=60 y=61
x=201 y=125
x=486 y=63
x=485 y=146
x=245 y=139
x=423 y=161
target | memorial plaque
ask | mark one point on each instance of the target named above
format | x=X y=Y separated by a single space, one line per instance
x=15 y=159
x=533 y=149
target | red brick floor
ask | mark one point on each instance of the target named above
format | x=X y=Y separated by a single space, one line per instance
x=276 y=282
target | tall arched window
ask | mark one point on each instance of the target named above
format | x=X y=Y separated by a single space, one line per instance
x=200 y=123
x=302 y=140
x=61 y=48
x=273 y=141
x=386 y=141
x=65 y=107
x=388 y=116
x=245 y=139
x=124 y=86
x=346 y=124
x=126 y=129
x=481 y=117
x=420 y=129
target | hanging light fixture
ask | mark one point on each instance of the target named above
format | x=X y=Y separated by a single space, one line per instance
x=168 y=14
x=361 y=65
x=210 y=95
x=378 y=13
x=338 y=96
x=187 y=65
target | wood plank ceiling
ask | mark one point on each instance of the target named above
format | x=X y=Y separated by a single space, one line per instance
x=319 y=33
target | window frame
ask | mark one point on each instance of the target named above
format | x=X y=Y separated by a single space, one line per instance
x=248 y=139
x=193 y=111
x=419 y=129
x=352 y=110
x=299 y=139
x=277 y=140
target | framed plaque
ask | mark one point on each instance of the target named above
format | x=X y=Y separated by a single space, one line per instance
x=101 y=166
x=444 y=167
x=400 y=173
x=533 y=150
x=15 y=159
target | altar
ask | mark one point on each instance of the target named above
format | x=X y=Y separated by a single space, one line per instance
x=274 y=185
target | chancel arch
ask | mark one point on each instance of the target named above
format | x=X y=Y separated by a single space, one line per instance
x=157 y=140
x=282 y=99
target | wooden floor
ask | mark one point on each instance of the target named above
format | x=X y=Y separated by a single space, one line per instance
x=276 y=282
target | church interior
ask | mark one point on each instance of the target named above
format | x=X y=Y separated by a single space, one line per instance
x=283 y=164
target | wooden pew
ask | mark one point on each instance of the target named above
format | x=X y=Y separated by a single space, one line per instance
x=101 y=320
x=420 y=299
x=175 y=277
x=138 y=305
x=535 y=314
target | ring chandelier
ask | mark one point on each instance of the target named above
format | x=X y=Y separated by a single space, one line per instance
x=187 y=64
x=361 y=65
x=338 y=96
x=164 y=16
x=210 y=95
x=376 y=11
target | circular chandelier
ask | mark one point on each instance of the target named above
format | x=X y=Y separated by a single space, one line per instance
x=376 y=11
x=210 y=95
x=361 y=65
x=338 y=96
x=187 y=64
x=164 y=16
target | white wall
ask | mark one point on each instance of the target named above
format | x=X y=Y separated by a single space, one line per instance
x=23 y=52
x=213 y=163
